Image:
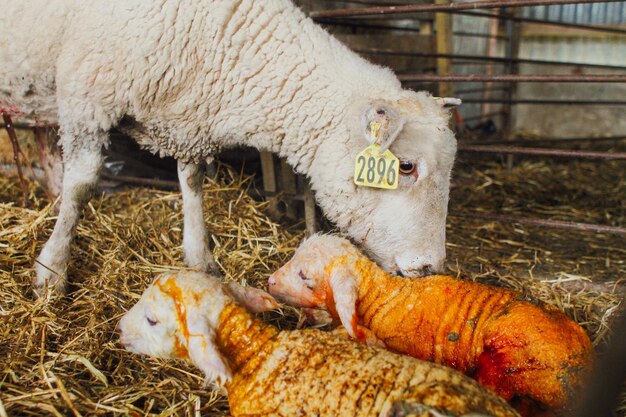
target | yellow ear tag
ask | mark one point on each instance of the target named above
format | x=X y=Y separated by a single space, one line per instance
x=373 y=169
x=375 y=128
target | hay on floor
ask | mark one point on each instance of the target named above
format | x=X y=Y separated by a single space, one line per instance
x=63 y=358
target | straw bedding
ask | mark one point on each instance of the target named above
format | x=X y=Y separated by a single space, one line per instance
x=63 y=358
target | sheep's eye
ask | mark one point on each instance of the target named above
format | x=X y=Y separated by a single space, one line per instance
x=407 y=168
x=151 y=322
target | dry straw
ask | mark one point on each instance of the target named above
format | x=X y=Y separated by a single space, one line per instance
x=63 y=358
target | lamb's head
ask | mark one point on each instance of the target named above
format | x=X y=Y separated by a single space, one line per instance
x=320 y=276
x=305 y=280
x=177 y=315
x=402 y=229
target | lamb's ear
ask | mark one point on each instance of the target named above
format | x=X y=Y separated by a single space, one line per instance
x=204 y=353
x=381 y=124
x=344 y=289
x=253 y=299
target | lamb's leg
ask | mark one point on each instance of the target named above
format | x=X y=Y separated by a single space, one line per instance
x=195 y=238
x=82 y=158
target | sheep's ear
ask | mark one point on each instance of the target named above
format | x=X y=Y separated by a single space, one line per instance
x=253 y=299
x=447 y=102
x=381 y=124
x=204 y=353
x=344 y=290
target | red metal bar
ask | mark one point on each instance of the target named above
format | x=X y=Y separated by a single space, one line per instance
x=596 y=28
x=464 y=147
x=459 y=92
x=411 y=8
x=550 y=140
x=536 y=78
x=589 y=227
x=8 y=125
x=547 y=102
x=490 y=59
x=545 y=22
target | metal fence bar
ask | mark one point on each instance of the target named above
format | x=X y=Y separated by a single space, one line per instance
x=536 y=78
x=411 y=8
x=520 y=150
x=545 y=22
x=481 y=117
x=596 y=28
x=550 y=140
x=546 y=102
x=364 y=25
x=486 y=58
x=589 y=227
x=478 y=90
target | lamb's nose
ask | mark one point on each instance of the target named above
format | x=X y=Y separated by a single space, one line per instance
x=271 y=281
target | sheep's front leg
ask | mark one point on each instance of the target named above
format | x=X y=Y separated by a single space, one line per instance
x=82 y=159
x=195 y=239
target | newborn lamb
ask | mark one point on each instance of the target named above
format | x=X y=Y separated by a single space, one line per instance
x=505 y=340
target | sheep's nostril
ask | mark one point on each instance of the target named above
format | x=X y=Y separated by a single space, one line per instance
x=271 y=281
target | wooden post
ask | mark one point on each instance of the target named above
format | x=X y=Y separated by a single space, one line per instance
x=288 y=182
x=269 y=182
x=310 y=216
x=513 y=33
x=490 y=50
x=443 y=36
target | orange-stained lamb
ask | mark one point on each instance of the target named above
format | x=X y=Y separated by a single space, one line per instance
x=505 y=340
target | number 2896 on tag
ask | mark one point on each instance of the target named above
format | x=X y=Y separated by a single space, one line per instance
x=373 y=169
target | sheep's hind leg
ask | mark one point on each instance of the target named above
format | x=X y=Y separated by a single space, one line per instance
x=195 y=238
x=82 y=159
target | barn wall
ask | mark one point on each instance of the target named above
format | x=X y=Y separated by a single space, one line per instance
x=538 y=42
x=580 y=120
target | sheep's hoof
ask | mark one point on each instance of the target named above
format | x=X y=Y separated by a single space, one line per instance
x=47 y=281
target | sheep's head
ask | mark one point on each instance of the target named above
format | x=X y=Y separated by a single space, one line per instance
x=177 y=315
x=402 y=229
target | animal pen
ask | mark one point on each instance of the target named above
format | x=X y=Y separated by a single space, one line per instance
x=537 y=202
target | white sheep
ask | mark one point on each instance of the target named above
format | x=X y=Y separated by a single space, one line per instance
x=268 y=372
x=187 y=78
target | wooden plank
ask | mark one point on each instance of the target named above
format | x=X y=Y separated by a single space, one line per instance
x=269 y=183
x=310 y=215
x=269 y=175
x=490 y=50
x=443 y=36
x=289 y=188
